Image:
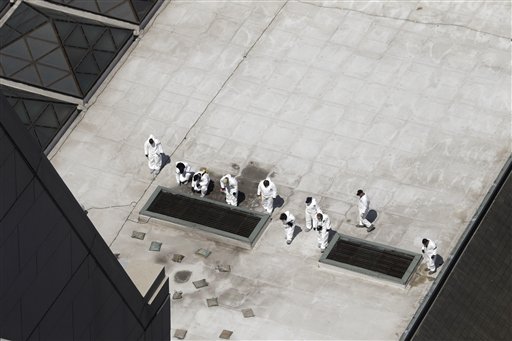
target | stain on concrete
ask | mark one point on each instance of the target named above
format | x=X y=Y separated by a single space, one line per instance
x=182 y=276
x=232 y=298
x=248 y=182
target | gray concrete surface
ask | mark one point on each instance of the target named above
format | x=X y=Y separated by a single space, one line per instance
x=407 y=100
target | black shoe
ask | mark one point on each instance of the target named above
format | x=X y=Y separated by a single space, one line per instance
x=288 y=242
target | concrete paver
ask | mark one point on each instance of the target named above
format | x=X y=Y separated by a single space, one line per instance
x=410 y=101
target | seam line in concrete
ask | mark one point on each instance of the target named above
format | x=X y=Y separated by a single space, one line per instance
x=406 y=19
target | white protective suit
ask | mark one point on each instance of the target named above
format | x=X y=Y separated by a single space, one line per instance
x=364 y=206
x=229 y=185
x=289 y=226
x=312 y=210
x=268 y=194
x=429 y=254
x=154 y=154
x=323 y=229
x=201 y=185
x=186 y=175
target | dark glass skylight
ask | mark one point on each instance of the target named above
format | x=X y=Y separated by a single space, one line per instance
x=58 y=52
x=3 y=7
x=42 y=116
x=133 y=11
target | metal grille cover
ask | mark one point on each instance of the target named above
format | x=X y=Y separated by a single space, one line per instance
x=370 y=258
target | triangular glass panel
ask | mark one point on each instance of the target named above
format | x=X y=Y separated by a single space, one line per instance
x=142 y=7
x=106 y=6
x=105 y=43
x=88 y=65
x=86 y=81
x=8 y=35
x=17 y=49
x=103 y=59
x=92 y=33
x=34 y=108
x=32 y=132
x=28 y=75
x=12 y=65
x=45 y=32
x=75 y=55
x=120 y=36
x=77 y=38
x=63 y=111
x=63 y=28
x=123 y=12
x=20 y=109
x=45 y=135
x=48 y=119
x=68 y=86
x=40 y=47
x=50 y=74
x=28 y=20
x=55 y=59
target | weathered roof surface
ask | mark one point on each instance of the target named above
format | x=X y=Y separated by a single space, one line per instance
x=475 y=301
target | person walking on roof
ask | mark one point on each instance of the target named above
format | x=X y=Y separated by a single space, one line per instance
x=323 y=227
x=229 y=186
x=153 y=151
x=268 y=192
x=183 y=173
x=288 y=221
x=312 y=210
x=429 y=251
x=364 y=207
x=200 y=182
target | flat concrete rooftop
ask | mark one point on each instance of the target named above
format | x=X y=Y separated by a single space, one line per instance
x=408 y=100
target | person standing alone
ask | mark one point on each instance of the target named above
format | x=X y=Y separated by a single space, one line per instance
x=364 y=207
x=153 y=151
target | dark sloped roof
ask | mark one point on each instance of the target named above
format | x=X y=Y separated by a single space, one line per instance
x=475 y=301
x=133 y=11
x=57 y=52
x=42 y=116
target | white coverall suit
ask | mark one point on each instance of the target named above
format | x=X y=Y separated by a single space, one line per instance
x=429 y=254
x=154 y=154
x=323 y=229
x=364 y=206
x=289 y=226
x=183 y=178
x=229 y=185
x=201 y=185
x=312 y=210
x=268 y=194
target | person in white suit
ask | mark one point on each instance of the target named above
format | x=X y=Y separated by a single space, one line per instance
x=153 y=151
x=429 y=251
x=323 y=227
x=312 y=209
x=267 y=190
x=229 y=186
x=288 y=221
x=183 y=173
x=200 y=182
x=364 y=207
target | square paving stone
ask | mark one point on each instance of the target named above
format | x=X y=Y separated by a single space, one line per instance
x=226 y=334
x=203 y=252
x=201 y=283
x=177 y=295
x=155 y=246
x=138 y=235
x=224 y=268
x=180 y=333
x=212 y=302
x=248 y=313
x=177 y=258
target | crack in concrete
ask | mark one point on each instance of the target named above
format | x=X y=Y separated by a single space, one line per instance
x=406 y=19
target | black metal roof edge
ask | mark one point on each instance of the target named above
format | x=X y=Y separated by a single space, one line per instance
x=403 y=281
x=459 y=249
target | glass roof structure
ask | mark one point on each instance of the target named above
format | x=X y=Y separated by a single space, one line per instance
x=58 y=52
x=133 y=11
x=42 y=116
x=3 y=6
